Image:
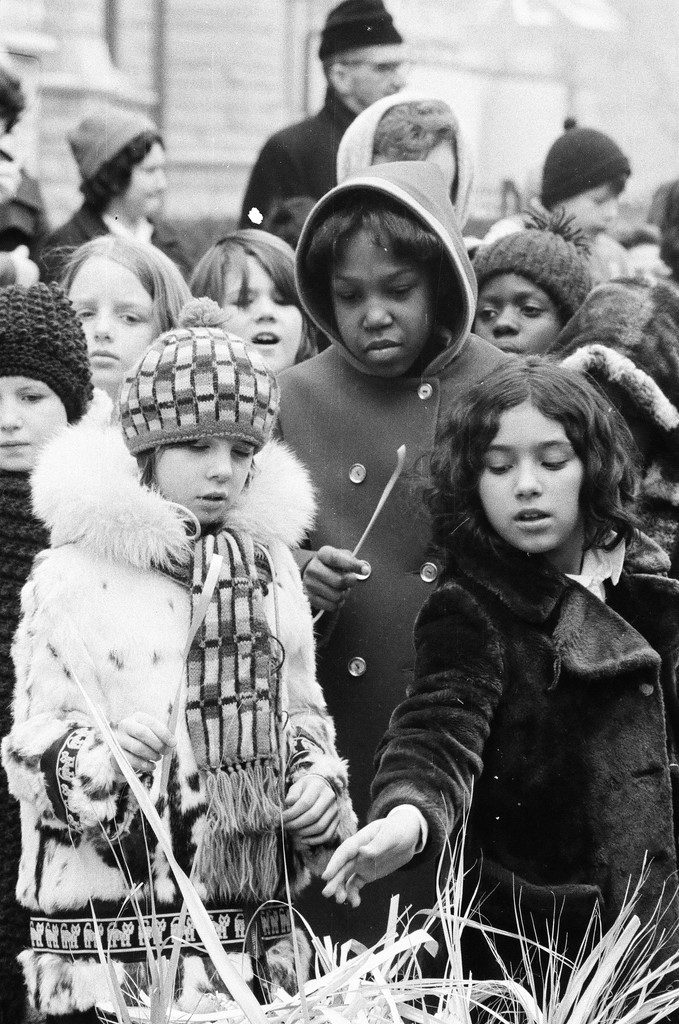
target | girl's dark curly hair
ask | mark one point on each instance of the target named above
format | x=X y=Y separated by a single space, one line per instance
x=113 y=177
x=598 y=434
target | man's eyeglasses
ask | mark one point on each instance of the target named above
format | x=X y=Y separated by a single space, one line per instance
x=391 y=67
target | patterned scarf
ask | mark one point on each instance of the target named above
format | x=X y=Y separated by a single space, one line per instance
x=231 y=713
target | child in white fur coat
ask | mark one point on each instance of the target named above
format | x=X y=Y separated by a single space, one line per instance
x=108 y=607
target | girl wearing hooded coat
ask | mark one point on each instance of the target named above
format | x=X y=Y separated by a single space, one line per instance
x=345 y=418
x=109 y=605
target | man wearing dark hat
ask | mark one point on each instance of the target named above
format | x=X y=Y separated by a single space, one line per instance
x=362 y=55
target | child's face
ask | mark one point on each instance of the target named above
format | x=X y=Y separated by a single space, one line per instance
x=530 y=488
x=30 y=414
x=258 y=315
x=384 y=306
x=517 y=316
x=594 y=210
x=117 y=317
x=206 y=476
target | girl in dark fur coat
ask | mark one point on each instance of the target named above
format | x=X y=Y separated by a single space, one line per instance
x=545 y=674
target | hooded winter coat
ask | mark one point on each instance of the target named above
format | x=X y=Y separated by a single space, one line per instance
x=625 y=337
x=356 y=150
x=346 y=425
x=99 y=607
x=563 y=712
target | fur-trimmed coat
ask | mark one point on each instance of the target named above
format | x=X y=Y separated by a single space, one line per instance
x=562 y=712
x=98 y=607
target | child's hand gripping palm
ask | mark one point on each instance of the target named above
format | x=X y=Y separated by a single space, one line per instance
x=311 y=814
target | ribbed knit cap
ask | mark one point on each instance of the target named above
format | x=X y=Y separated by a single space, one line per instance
x=579 y=160
x=102 y=133
x=198 y=381
x=354 y=24
x=550 y=252
x=42 y=338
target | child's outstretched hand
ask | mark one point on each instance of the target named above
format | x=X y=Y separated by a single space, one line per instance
x=145 y=739
x=311 y=814
x=330 y=575
x=376 y=850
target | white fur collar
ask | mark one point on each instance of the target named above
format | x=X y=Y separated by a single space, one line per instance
x=86 y=491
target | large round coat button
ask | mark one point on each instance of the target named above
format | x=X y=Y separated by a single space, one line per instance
x=429 y=572
x=425 y=391
x=357 y=667
x=646 y=689
x=357 y=473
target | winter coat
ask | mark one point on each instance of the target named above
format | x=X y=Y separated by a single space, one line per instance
x=625 y=337
x=298 y=160
x=22 y=218
x=98 y=607
x=355 y=152
x=346 y=426
x=22 y=536
x=86 y=224
x=562 y=711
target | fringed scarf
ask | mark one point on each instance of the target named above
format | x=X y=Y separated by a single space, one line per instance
x=231 y=713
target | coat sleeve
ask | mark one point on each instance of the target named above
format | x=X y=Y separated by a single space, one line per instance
x=310 y=732
x=54 y=757
x=433 y=749
x=275 y=176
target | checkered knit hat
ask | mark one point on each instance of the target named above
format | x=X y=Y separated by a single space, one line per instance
x=42 y=338
x=550 y=252
x=198 y=381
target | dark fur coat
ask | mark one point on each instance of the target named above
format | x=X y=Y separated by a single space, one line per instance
x=562 y=712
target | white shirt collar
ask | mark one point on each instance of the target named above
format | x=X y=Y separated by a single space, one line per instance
x=141 y=233
x=599 y=565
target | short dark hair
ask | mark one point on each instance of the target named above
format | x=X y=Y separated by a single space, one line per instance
x=598 y=434
x=113 y=177
x=12 y=98
x=390 y=227
x=275 y=257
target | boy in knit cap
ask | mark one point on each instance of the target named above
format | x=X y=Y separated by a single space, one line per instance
x=584 y=175
x=44 y=384
x=530 y=284
x=111 y=601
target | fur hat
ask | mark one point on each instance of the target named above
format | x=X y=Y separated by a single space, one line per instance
x=102 y=134
x=581 y=159
x=550 y=252
x=198 y=381
x=42 y=338
x=357 y=23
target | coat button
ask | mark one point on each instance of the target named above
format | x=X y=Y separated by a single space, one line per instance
x=425 y=391
x=357 y=667
x=429 y=572
x=357 y=473
x=646 y=689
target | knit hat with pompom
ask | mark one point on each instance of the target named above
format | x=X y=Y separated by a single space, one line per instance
x=42 y=338
x=198 y=381
x=551 y=252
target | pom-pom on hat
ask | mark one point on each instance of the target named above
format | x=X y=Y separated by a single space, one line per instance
x=42 y=338
x=198 y=381
x=354 y=24
x=101 y=135
x=550 y=252
x=579 y=160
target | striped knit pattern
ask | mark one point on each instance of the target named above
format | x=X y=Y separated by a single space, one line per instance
x=229 y=705
x=194 y=383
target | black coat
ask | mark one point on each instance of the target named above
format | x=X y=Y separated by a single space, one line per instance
x=86 y=224
x=562 y=711
x=299 y=160
x=22 y=218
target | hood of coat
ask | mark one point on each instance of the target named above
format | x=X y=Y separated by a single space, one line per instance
x=86 y=491
x=420 y=188
x=355 y=153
